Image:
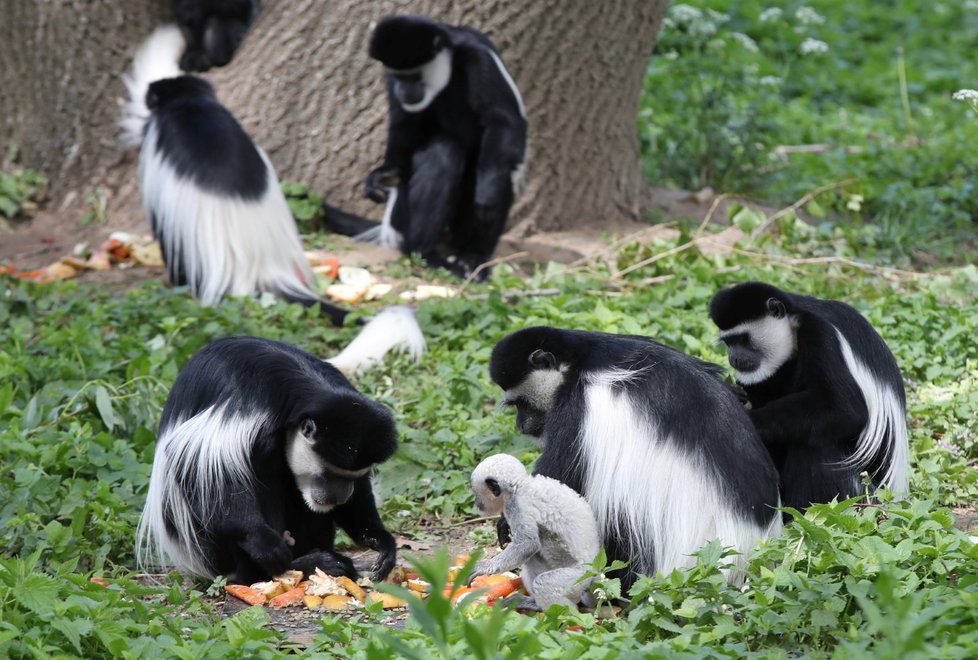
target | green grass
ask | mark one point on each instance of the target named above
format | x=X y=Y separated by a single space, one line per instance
x=726 y=89
x=84 y=374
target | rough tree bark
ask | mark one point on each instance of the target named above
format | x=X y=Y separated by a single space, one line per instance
x=304 y=88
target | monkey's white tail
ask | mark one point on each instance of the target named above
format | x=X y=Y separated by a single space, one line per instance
x=395 y=328
x=157 y=58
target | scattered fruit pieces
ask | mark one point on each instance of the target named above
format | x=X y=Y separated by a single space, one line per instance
x=419 y=586
x=312 y=602
x=352 y=588
x=389 y=600
x=489 y=580
x=100 y=581
x=247 y=594
x=291 y=597
x=425 y=291
x=338 y=603
x=321 y=584
x=290 y=579
x=270 y=589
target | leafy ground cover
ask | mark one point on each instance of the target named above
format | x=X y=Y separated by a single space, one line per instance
x=774 y=101
x=84 y=374
x=84 y=371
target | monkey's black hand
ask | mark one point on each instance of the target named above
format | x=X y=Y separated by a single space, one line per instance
x=383 y=542
x=268 y=549
x=502 y=532
x=379 y=183
x=331 y=563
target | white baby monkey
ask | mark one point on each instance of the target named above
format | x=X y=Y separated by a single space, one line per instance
x=554 y=534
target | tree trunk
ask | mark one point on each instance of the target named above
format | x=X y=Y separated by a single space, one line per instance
x=60 y=68
x=304 y=88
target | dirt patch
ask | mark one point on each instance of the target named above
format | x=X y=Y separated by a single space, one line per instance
x=54 y=232
x=966 y=517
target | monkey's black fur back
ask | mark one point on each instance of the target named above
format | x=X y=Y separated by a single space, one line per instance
x=222 y=464
x=202 y=141
x=680 y=406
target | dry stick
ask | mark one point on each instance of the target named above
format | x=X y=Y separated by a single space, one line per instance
x=489 y=264
x=510 y=294
x=697 y=236
x=656 y=257
x=616 y=245
x=807 y=197
x=845 y=261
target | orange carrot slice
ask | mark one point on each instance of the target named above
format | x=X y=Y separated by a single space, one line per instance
x=246 y=593
x=291 y=597
x=503 y=589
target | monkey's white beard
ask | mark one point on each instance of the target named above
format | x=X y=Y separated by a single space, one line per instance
x=774 y=338
x=436 y=74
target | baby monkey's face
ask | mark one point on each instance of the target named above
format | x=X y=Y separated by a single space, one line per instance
x=488 y=496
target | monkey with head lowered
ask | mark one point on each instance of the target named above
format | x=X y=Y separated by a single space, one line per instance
x=211 y=195
x=212 y=29
x=554 y=534
x=456 y=145
x=661 y=449
x=263 y=450
x=826 y=393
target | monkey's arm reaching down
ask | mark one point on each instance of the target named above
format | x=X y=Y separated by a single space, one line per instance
x=524 y=545
x=359 y=518
x=403 y=139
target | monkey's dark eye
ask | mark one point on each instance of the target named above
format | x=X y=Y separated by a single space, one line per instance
x=493 y=487
x=740 y=339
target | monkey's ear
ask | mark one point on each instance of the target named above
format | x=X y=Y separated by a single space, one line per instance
x=776 y=308
x=541 y=359
x=308 y=428
x=493 y=487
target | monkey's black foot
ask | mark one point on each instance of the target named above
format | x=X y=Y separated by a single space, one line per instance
x=331 y=563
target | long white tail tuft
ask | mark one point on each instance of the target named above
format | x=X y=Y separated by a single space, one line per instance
x=156 y=59
x=394 y=328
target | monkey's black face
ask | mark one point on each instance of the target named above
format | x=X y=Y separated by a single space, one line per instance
x=328 y=491
x=334 y=445
x=529 y=420
x=408 y=87
x=743 y=357
x=415 y=89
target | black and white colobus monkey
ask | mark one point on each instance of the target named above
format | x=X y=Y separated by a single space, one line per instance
x=456 y=146
x=826 y=393
x=263 y=451
x=661 y=449
x=211 y=195
x=213 y=30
